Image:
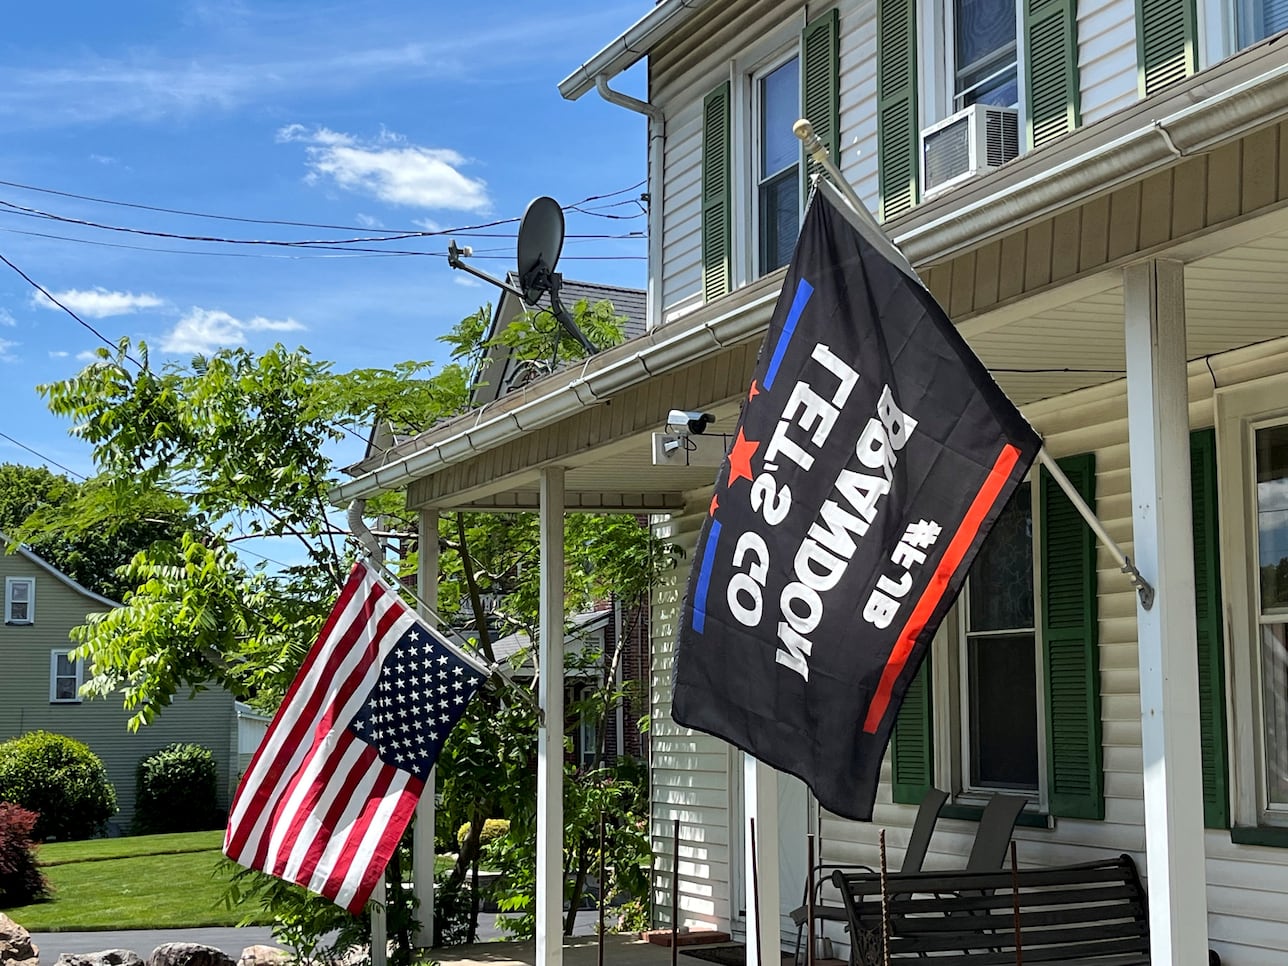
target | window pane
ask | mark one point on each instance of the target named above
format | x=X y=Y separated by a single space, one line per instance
x=20 y=590
x=1001 y=578
x=1004 y=720
x=1272 y=517
x=780 y=107
x=984 y=27
x=18 y=611
x=779 y=220
x=1274 y=689
x=65 y=689
x=1001 y=90
x=66 y=666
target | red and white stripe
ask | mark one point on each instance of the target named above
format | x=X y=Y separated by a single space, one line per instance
x=317 y=806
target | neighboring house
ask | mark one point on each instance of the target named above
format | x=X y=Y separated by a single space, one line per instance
x=498 y=373
x=39 y=689
x=1138 y=242
x=593 y=633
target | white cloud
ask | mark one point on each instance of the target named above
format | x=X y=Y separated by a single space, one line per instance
x=467 y=281
x=98 y=303
x=58 y=354
x=5 y=354
x=6 y=318
x=88 y=355
x=105 y=159
x=389 y=169
x=366 y=221
x=205 y=330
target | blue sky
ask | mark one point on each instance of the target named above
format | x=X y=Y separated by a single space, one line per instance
x=374 y=115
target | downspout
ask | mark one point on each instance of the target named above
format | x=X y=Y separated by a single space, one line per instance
x=656 y=147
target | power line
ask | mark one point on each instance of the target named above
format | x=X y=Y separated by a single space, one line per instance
x=39 y=455
x=43 y=291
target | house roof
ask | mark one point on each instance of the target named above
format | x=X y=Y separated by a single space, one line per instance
x=581 y=625
x=494 y=370
x=56 y=573
x=659 y=24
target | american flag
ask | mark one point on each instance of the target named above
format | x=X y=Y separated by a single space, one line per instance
x=336 y=779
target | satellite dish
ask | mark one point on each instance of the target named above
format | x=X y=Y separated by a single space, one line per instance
x=541 y=236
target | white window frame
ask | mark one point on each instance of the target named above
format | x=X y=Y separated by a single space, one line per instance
x=1240 y=411
x=937 y=68
x=772 y=50
x=9 y=584
x=55 y=677
x=952 y=687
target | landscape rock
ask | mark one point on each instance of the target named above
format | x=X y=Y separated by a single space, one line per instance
x=263 y=956
x=107 y=957
x=189 y=954
x=15 y=945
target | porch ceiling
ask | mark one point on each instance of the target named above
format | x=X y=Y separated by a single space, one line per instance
x=1235 y=296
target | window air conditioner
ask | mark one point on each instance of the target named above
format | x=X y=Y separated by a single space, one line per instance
x=979 y=138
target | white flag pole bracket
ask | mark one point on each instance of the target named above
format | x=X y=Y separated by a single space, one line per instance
x=1144 y=589
x=820 y=155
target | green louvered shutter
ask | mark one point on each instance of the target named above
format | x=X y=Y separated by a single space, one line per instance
x=1051 y=69
x=1166 y=43
x=897 y=148
x=1070 y=639
x=821 y=83
x=717 y=233
x=1211 y=644
x=912 y=759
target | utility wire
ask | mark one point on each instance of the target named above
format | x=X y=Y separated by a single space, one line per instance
x=40 y=455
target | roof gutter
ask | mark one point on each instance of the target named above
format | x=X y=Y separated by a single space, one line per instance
x=657 y=25
x=1214 y=118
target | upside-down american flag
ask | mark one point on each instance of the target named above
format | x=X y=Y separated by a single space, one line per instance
x=335 y=781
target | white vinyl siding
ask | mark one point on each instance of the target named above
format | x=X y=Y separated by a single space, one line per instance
x=690 y=770
x=682 y=209
x=857 y=143
x=1106 y=58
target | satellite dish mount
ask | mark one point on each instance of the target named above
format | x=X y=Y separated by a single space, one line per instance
x=541 y=237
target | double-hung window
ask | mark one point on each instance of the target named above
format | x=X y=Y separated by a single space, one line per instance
x=986 y=68
x=777 y=97
x=999 y=657
x=19 y=600
x=1271 y=459
x=64 y=678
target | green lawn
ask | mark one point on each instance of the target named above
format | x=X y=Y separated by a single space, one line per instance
x=141 y=882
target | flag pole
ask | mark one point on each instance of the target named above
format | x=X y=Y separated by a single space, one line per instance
x=820 y=155
x=1143 y=586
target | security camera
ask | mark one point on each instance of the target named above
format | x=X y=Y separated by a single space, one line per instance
x=696 y=423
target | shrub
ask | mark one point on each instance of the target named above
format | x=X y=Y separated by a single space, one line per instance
x=493 y=829
x=177 y=790
x=21 y=881
x=59 y=779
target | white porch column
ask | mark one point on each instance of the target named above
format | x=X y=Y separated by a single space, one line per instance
x=760 y=801
x=550 y=757
x=422 y=849
x=1159 y=429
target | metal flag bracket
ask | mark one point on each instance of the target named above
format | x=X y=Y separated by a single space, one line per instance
x=819 y=154
x=370 y=547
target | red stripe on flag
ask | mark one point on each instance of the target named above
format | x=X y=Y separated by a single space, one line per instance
x=934 y=592
x=274 y=800
x=292 y=723
x=389 y=837
x=367 y=762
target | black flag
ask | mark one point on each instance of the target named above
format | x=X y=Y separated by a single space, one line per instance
x=873 y=455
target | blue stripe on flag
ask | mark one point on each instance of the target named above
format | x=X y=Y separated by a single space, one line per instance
x=704 y=577
x=803 y=291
